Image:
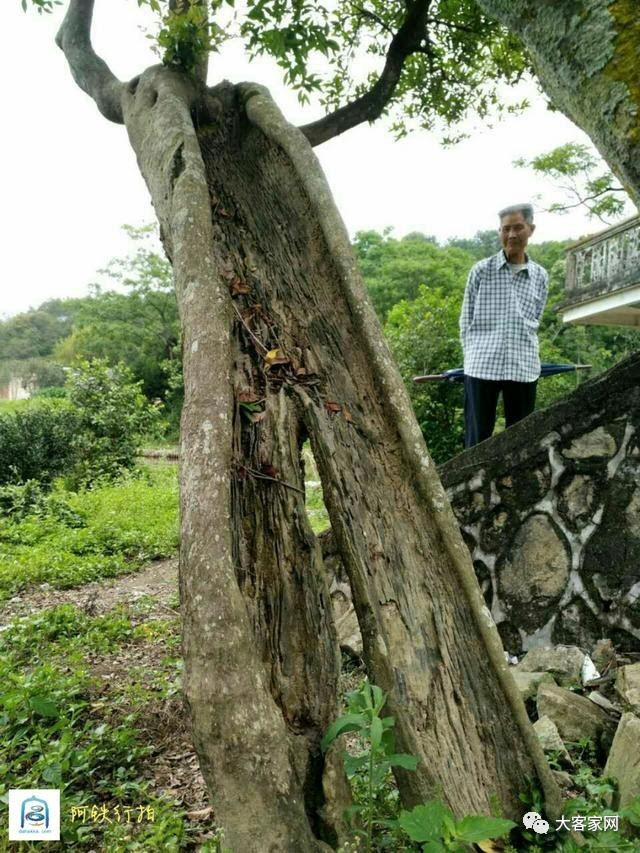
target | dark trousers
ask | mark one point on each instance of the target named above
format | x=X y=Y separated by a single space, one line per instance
x=481 y=402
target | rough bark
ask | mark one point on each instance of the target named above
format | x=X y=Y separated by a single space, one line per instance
x=586 y=56
x=260 y=696
x=429 y=640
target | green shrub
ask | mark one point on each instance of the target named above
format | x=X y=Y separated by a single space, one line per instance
x=36 y=442
x=17 y=501
x=55 y=392
x=114 y=415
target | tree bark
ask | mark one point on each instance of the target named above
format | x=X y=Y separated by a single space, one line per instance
x=429 y=640
x=586 y=56
x=260 y=685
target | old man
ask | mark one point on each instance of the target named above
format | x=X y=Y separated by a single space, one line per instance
x=503 y=303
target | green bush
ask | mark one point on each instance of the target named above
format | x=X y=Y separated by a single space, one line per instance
x=36 y=442
x=423 y=336
x=114 y=415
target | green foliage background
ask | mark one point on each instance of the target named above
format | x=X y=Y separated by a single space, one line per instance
x=416 y=285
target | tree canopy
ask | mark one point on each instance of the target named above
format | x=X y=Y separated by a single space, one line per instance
x=421 y=63
x=583 y=180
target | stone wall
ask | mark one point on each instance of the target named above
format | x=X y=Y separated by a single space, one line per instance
x=550 y=510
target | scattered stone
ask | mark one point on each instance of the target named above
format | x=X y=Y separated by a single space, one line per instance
x=550 y=739
x=528 y=682
x=628 y=687
x=604 y=655
x=574 y=716
x=565 y=662
x=624 y=758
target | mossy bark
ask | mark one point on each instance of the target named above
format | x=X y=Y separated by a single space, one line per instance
x=586 y=54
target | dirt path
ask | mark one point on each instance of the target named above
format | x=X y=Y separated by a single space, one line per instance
x=159 y=580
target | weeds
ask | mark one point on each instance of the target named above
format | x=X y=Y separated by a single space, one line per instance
x=53 y=732
x=67 y=539
x=431 y=824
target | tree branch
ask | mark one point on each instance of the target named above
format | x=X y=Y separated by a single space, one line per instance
x=369 y=107
x=366 y=13
x=90 y=72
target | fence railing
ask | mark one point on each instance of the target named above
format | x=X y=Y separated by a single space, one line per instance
x=605 y=262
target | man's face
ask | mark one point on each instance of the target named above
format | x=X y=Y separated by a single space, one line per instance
x=514 y=233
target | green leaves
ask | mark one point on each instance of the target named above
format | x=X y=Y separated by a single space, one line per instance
x=40 y=5
x=434 y=824
x=457 y=58
x=114 y=416
x=426 y=822
x=346 y=723
x=471 y=829
x=583 y=179
x=372 y=766
x=44 y=707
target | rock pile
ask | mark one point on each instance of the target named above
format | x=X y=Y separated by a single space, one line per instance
x=569 y=700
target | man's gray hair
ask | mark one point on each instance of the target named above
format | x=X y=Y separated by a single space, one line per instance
x=525 y=209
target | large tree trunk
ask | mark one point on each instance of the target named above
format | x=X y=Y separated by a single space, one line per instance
x=587 y=56
x=245 y=210
x=260 y=651
x=428 y=639
x=280 y=341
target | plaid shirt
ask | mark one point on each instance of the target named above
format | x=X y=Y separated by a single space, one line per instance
x=499 y=320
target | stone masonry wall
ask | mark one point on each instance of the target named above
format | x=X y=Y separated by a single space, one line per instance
x=550 y=510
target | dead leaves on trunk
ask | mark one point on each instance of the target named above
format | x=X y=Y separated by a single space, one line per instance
x=278 y=365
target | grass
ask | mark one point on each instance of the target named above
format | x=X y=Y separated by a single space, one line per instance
x=74 y=538
x=10 y=406
x=89 y=704
x=314 y=501
x=54 y=732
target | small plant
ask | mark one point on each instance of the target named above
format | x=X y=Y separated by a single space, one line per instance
x=434 y=826
x=364 y=709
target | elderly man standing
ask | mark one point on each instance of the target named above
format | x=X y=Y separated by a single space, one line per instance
x=503 y=303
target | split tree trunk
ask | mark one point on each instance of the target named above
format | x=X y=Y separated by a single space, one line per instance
x=245 y=210
x=428 y=641
x=260 y=651
x=273 y=310
x=586 y=55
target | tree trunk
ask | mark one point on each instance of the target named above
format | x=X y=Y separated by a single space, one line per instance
x=587 y=56
x=260 y=651
x=428 y=642
x=244 y=210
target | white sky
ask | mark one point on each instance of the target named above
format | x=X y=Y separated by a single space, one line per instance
x=70 y=180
